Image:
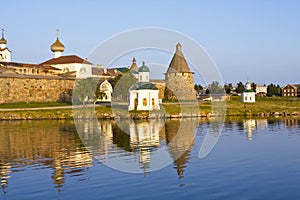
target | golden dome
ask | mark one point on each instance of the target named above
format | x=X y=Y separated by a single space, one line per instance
x=57 y=46
x=3 y=40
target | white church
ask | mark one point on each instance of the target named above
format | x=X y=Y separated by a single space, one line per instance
x=248 y=94
x=143 y=95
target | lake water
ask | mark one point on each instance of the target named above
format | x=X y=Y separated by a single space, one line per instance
x=252 y=159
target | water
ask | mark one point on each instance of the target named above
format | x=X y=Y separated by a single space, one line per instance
x=253 y=159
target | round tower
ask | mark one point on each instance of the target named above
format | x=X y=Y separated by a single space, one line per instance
x=179 y=78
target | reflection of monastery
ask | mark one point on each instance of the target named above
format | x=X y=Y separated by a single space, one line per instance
x=143 y=137
x=50 y=144
x=62 y=151
x=53 y=78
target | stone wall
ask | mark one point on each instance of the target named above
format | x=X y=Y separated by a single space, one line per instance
x=180 y=86
x=25 y=88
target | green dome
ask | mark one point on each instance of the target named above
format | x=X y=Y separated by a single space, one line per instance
x=144 y=68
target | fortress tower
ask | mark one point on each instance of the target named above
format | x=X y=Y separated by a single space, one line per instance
x=179 y=78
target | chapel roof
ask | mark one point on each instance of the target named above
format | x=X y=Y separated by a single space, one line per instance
x=144 y=68
x=143 y=86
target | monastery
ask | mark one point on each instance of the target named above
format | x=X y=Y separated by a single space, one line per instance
x=52 y=80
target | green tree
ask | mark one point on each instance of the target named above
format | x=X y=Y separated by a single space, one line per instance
x=228 y=88
x=122 y=84
x=253 y=86
x=215 y=88
x=240 y=87
x=273 y=89
x=85 y=91
x=198 y=87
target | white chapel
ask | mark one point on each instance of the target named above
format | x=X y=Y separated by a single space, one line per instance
x=143 y=95
x=248 y=94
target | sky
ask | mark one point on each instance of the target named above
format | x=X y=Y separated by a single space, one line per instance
x=256 y=40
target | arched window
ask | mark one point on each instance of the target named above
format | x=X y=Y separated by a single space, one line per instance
x=144 y=102
x=83 y=70
x=153 y=101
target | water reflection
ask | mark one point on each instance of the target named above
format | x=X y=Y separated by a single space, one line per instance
x=133 y=145
x=253 y=126
x=57 y=145
x=41 y=144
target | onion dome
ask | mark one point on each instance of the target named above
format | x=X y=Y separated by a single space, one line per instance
x=3 y=40
x=178 y=63
x=57 y=46
x=248 y=87
x=144 y=68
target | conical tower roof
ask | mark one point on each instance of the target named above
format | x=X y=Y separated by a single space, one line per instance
x=134 y=65
x=178 y=63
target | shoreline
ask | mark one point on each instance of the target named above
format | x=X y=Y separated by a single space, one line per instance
x=264 y=107
x=68 y=114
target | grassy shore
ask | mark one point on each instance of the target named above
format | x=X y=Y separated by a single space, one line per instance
x=264 y=106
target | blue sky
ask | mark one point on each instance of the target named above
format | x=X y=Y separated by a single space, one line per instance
x=255 y=40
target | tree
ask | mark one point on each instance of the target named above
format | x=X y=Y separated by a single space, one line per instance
x=240 y=87
x=198 y=87
x=273 y=89
x=122 y=84
x=215 y=88
x=253 y=86
x=85 y=90
x=228 y=88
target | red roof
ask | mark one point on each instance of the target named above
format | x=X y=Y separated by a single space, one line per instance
x=65 y=60
x=105 y=72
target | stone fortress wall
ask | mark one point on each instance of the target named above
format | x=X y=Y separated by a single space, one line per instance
x=20 y=88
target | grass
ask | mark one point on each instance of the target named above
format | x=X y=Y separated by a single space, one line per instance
x=263 y=105
x=233 y=108
x=34 y=105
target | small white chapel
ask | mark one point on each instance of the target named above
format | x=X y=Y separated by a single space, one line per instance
x=248 y=94
x=143 y=95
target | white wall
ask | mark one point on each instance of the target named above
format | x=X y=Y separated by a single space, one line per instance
x=248 y=97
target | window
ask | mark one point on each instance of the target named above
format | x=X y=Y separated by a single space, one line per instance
x=147 y=78
x=153 y=101
x=245 y=98
x=250 y=98
x=144 y=102
x=140 y=77
x=83 y=70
